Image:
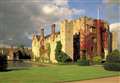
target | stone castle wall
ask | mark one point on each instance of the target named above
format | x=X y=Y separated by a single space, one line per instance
x=84 y=25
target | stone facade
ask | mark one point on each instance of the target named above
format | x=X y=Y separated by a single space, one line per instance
x=66 y=33
x=115 y=40
x=115 y=30
x=39 y=45
x=86 y=35
x=93 y=36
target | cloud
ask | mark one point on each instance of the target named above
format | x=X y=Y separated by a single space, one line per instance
x=18 y=17
x=48 y=9
x=61 y=2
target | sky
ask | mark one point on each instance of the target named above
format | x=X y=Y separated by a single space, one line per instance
x=20 y=18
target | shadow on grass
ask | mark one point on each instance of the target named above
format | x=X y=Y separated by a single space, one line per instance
x=14 y=69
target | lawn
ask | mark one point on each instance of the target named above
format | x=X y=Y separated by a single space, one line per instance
x=54 y=74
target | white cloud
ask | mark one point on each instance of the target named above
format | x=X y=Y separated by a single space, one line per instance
x=55 y=11
x=49 y=9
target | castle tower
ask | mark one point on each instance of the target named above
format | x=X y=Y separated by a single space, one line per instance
x=83 y=32
x=53 y=44
x=35 y=46
x=66 y=33
x=99 y=38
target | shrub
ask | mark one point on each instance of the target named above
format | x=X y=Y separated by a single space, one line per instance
x=113 y=61
x=112 y=66
x=3 y=62
x=115 y=52
x=22 y=55
x=83 y=62
x=97 y=60
x=61 y=56
x=113 y=58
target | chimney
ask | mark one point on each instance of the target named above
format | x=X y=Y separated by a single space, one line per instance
x=53 y=29
x=42 y=32
x=33 y=36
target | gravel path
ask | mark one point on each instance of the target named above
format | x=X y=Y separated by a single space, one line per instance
x=101 y=80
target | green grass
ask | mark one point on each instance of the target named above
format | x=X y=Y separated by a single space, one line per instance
x=54 y=74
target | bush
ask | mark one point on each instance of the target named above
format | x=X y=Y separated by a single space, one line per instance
x=83 y=62
x=61 y=56
x=97 y=60
x=112 y=66
x=22 y=55
x=3 y=62
x=115 y=52
x=113 y=58
x=113 y=61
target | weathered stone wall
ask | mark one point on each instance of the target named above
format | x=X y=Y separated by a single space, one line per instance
x=66 y=33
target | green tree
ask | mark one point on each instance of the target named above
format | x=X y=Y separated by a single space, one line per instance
x=113 y=61
x=3 y=62
x=58 y=51
x=60 y=55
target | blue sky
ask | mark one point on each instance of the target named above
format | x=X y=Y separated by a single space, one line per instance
x=91 y=8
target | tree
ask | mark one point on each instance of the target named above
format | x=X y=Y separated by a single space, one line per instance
x=3 y=62
x=22 y=52
x=113 y=61
x=60 y=56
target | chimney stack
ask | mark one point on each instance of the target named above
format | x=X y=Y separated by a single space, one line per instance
x=42 y=32
x=53 y=28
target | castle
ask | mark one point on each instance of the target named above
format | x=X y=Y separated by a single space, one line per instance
x=83 y=36
x=115 y=29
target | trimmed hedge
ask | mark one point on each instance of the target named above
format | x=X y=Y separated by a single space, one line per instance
x=3 y=62
x=112 y=66
x=113 y=61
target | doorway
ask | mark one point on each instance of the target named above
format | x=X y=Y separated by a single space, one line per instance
x=76 y=47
